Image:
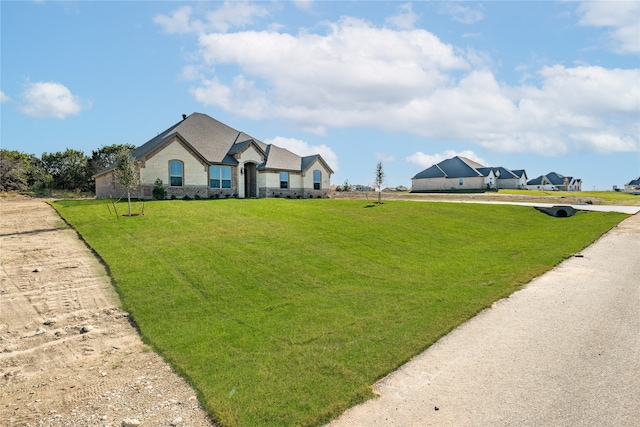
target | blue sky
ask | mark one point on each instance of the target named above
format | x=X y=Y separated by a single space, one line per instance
x=542 y=86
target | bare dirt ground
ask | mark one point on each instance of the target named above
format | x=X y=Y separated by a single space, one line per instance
x=68 y=354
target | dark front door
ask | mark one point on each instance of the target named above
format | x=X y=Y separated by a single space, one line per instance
x=250 y=181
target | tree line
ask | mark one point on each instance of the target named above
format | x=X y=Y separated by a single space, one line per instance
x=70 y=170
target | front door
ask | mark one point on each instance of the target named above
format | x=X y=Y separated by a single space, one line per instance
x=250 y=181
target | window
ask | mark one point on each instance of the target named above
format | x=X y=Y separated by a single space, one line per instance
x=175 y=173
x=220 y=176
x=284 y=179
x=317 y=179
x=460 y=181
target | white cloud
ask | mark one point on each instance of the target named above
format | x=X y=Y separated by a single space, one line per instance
x=622 y=17
x=303 y=148
x=303 y=4
x=230 y=15
x=51 y=99
x=357 y=75
x=426 y=160
x=405 y=19
x=4 y=98
x=385 y=158
x=460 y=13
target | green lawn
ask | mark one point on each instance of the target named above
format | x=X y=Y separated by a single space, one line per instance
x=284 y=312
x=603 y=197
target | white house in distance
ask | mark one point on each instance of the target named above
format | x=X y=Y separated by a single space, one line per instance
x=555 y=182
x=200 y=156
x=462 y=174
x=633 y=185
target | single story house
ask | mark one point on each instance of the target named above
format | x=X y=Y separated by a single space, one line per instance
x=555 y=182
x=632 y=185
x=461 y=173
x=202 y=157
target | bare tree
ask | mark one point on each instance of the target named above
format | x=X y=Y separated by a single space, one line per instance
x=126 y=174
x=379 y=180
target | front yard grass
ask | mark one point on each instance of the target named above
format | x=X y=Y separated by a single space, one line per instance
x=284 y=312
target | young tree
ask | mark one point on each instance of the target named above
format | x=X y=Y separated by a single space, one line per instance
x=379 y=180
x=103 y=157
x=126 y=174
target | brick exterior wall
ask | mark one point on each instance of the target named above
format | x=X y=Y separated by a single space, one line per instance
x=292 y=193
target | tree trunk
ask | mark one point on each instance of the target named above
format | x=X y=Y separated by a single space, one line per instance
x=129 y=201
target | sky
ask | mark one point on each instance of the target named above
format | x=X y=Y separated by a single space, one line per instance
x=545 y=86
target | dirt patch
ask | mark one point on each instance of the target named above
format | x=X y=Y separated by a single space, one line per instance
x=68 y=354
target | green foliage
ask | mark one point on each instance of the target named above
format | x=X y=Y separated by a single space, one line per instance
x=68 y=169
x=159 y=193
x=126 y=173
x=103 y=157
x=13 y=170
x=284 y=312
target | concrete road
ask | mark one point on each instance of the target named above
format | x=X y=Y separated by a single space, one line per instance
x=563 y=351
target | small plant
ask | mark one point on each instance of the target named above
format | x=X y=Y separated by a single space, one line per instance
x=197 y=197
x=159 y=193
x=173 y=197
x=186 y=197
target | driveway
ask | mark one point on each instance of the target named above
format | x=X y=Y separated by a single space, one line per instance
x=563 y=351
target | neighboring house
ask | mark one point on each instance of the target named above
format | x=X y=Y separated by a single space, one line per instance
x=200 y=156
x=460 y=173
x=556 y=182
x=632 y=185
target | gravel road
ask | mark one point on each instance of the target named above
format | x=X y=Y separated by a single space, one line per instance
x=563 y=351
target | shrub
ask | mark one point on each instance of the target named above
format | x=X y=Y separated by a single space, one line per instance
x=186 y=197
x=173 y=197
x=197 y=197
x=159 y=193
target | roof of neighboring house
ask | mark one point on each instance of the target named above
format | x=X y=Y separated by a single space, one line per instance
x=461 y=167
x=520 y=173
x=634 y=182
x=499 y=172
x=214 y=142
x=456 y=167
x=553 y=178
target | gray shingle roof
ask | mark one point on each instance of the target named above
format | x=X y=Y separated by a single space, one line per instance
x=456 y=167
x=281 y=158
x=462 y=167
x=553 y=177
x=216 y=142
x=634 y=182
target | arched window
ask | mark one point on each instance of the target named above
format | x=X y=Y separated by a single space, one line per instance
x=176 y=173
x=317 y=180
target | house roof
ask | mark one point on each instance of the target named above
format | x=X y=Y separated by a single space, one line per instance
x=209 y=137
x=634 y=182
x=216 y=143
x=456 y=167
x=554 y=178
x=520 y=173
